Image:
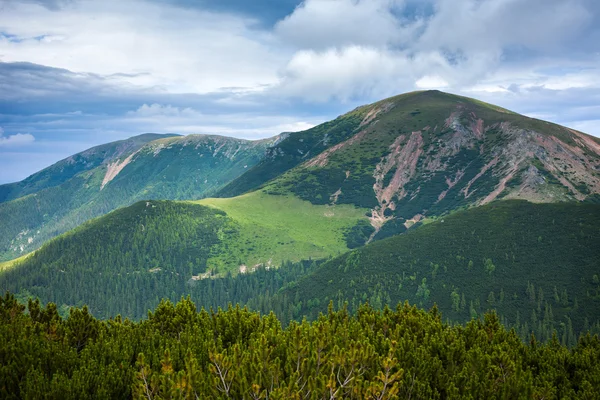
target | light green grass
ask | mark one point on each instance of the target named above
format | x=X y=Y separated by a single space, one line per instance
x=5 y=265
x=272 y=229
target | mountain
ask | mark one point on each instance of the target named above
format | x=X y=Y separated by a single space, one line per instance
x=117 y=174
x=408 y=164
x=66 y=169
x=427 y=153
x=537 y=265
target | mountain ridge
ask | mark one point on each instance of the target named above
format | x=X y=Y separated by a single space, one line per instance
x=117 y=174
x=55 y=174
x=427 y=153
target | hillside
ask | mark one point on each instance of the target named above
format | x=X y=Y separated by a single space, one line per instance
x=427 y=153
x=369 y=174
x=104 y=178
x=536 y=264
x=137 y=255
x=66 y=169
x=272 y=229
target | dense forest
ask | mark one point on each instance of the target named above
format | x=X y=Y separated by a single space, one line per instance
x=180 y=353
x=540 y=277
x=537 y=265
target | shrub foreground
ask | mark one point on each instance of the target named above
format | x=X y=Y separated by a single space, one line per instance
x=178 y=352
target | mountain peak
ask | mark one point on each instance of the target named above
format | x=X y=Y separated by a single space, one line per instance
x=427 y=153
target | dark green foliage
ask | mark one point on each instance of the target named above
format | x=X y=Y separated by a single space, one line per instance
x=296 y=148
x=178 y=352
x=391 y=228
x=489 y=256
x=124 y=261
x=358 y=234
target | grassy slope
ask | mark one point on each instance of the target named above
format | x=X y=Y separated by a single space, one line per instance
x=552 y=246
x=275 y=228
x=6 y=265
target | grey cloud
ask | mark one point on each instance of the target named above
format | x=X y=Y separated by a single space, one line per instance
x=264 y=11
x=52 y=5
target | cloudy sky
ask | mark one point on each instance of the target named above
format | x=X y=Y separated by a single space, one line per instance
x=76 y=73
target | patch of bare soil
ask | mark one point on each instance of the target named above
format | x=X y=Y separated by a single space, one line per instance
x=113 y=169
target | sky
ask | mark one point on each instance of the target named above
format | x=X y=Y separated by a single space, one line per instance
x=77 y=73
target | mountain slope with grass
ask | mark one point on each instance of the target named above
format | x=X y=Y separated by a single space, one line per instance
x=538 y=265
x=427 y=153
x=104 y=178
x=154 y=249
x=375 y=172
x=405 y=158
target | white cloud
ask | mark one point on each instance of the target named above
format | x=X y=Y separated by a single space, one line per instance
x=18 y=139
x=159 y=110
x=354 y=48
x=149 y=44
x=364 y=72
x=167 y=118
x=431 y=82
x=319 y=24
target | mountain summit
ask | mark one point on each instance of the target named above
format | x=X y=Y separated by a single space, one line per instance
x=427 y=153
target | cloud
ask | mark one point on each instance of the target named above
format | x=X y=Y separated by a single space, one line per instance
x=187 y=120
x=363 y=72
x=320 y=24
x=180 y=50
x=52 y=5
x=88 y=72
x=265 y=12
x=18 y=139
x=458 y=44
x=155 y=110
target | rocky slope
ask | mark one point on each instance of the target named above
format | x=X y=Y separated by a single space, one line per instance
x=428 y=153
x=106 y=177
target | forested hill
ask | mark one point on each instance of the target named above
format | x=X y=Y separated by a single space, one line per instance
x=122 y=262
x=179 y=353
x=538 y=265
x=126 y=261
x=101 y=179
